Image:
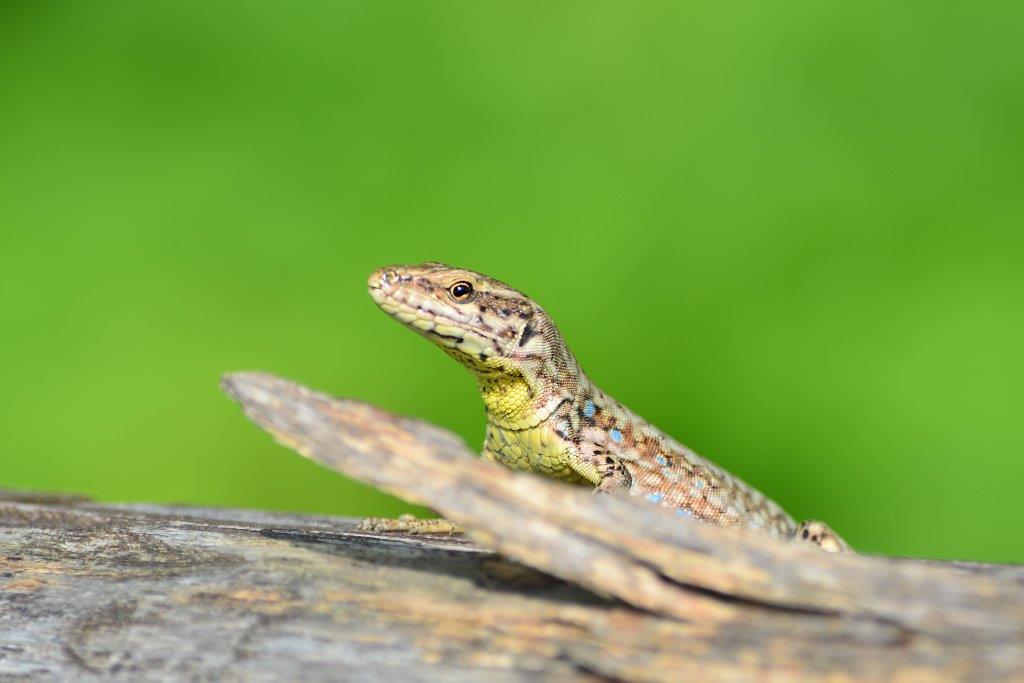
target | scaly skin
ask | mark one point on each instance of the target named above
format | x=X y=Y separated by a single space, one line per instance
x=546 y=416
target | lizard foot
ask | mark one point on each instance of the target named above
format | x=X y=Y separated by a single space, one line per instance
x=410 y=525
x=820 y=534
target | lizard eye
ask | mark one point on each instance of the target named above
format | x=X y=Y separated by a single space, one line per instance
x=461 y=291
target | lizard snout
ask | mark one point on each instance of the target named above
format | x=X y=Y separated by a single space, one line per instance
x=385 y=278
x=380 y=278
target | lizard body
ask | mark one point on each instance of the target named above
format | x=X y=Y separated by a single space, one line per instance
x=545 y=415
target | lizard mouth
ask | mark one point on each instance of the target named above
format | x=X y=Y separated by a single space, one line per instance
x=445 y=325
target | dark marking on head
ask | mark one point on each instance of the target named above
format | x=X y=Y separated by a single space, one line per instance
x=528 y=332
x=458 y=340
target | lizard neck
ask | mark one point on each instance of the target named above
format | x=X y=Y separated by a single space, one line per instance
x=522 y=387
x=513 y=402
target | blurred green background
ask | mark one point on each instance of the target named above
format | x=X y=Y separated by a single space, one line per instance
x=788 y=233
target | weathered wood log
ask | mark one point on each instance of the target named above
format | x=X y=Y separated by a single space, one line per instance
x=135 y=592
x=635 y=552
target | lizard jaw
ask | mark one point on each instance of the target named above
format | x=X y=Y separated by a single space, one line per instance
x=444 y=325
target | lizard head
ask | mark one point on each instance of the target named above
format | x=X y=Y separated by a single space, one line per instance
x=494 y=330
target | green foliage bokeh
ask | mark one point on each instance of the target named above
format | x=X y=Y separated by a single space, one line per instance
x=788 y=233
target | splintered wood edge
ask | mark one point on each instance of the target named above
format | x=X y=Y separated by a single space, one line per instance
x=621 y=547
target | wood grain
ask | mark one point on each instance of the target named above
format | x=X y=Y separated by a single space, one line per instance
x=559 y=583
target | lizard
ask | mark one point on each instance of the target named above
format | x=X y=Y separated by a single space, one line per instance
x=545 y=415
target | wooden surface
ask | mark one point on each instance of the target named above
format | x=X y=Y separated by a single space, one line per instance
x=93 y=591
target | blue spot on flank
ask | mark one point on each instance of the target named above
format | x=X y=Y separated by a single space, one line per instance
x=683 y=512
x=616 y=435
x=589 y=409
x=654 y=497
x=660 y=459
x=699 y=484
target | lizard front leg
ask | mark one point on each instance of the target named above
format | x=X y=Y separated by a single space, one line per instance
x=409 y=524
x=595 y=464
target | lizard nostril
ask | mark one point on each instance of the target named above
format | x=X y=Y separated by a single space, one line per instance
x=383 y=278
